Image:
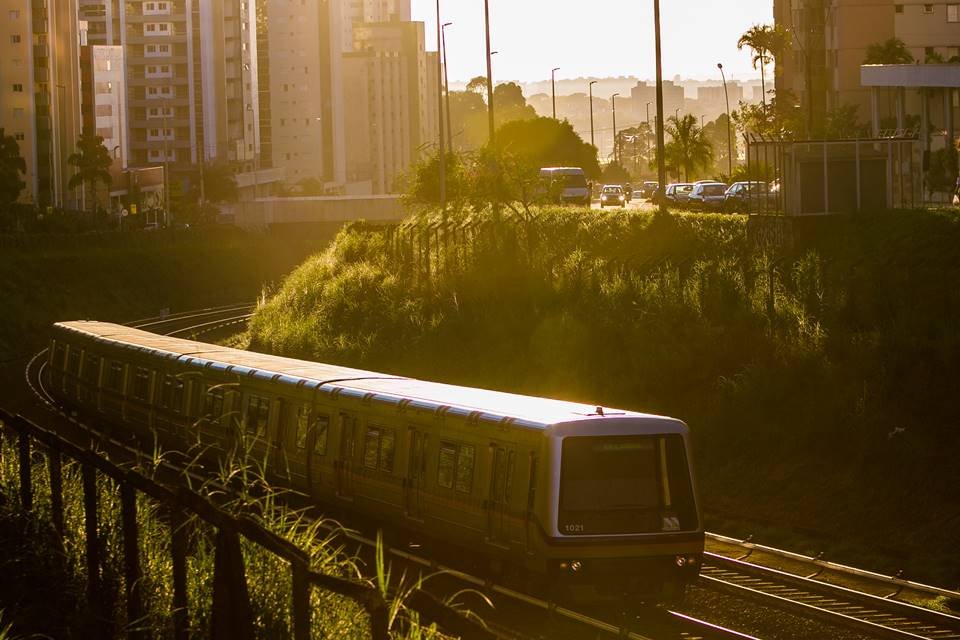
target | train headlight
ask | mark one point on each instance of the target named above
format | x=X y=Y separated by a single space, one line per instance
x=681 y=561
x=576 y=566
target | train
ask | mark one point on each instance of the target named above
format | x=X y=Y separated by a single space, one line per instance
x=595 y=503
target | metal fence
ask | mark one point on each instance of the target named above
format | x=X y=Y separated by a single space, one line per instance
x=232 y=614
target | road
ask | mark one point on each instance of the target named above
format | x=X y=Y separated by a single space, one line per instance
x=636 y=204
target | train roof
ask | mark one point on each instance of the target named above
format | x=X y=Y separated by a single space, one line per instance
x=478 y=404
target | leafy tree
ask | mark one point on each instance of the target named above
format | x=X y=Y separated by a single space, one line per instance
x=219 y=187
x=942 y=174
x=509 y=104
x=92 y=161
x=478 y=85
x=468 y=118
x=767 y=43
x=11 y=166
x=688 y=149
x=614 y=173
x=892 y=51
x=423 y=181
x=716 y=133
x=546 y=142
x=779 y=118
x=842 y=122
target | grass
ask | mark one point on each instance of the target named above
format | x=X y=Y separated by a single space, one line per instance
x=817 y=378
x=44 y=584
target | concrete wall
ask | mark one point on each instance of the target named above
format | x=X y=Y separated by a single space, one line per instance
x=340 y=209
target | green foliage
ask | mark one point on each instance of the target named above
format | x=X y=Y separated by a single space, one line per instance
x=843 y=122
x=891 y=51
x=12 y=166
x=768 y=42
x=689 y=149
x=92 y=160
x=780 y=117
x=219 y=186
x=614 y=173
x=546 y=142
x=943 y=171
x=803 y=371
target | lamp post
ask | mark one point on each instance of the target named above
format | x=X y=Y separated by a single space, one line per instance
x=729 y=135
x=613 y=100
x=256 y=168
x=661 y=161
x=591 y=110
x=446 y=81
x=553 y=89
x=486 y=17
x=443 y=158
x=166 y=168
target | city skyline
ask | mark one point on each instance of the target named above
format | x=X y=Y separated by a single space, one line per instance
x=532 y=37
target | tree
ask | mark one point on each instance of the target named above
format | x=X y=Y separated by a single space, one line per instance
x=842 y=122
x=219 y=187
x=92 y=161
x=689 y=149
x=478 y=85
x=892 y=51
x=716 y=133
x=509 y=104
x=546 y=142
x=614 y=173
x=757 y=39
x=11 y=166
x=779 y=118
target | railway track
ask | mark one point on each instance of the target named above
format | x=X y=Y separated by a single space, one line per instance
x=807 y=596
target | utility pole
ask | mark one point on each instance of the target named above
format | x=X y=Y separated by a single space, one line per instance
x=591 y=111
x=661 y=161
x=446 y=83
x=486 y=15
x=616 y=145
x=553 y=89
x=443 y=159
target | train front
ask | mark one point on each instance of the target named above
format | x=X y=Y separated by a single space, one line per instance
x=624 y=513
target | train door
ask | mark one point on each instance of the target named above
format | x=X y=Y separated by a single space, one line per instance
x=416 y=473
x=502 y=462
x=345 y=465
x=286 y=414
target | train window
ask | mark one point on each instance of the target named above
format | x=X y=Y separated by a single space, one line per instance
x=378 y=448
x=171 y=394
x=213 y=402
x=318 y=423
x=532 y=490
x=141 y=384
x=115 y=377
x=59 y=355
x=502 y=478
x=257 y=415
x=74 y=357
x=91 y=368
x=455 y=466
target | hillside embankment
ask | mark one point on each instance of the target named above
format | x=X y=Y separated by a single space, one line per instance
x=816 y=363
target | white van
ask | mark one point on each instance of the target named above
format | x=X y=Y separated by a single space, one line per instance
x=569 y=184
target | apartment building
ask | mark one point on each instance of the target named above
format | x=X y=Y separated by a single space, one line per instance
x=389 y=83
x=830 y=41
x=40 y=93
x=301 y=106
x=646 y=92
x=103 y=104
x=355 y=12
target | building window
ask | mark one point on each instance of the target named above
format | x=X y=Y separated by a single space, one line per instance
x=928 y=8
x=104 y=87
x=898 y=8
x=14 y=14
x=18 y=88
x=19 y=135
x=953 y=13
x=15 y=39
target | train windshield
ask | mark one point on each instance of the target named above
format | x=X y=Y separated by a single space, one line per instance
x=625 y=484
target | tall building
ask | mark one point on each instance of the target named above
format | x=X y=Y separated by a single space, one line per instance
x=644 y=92
x=830 y=41
x=103 y=98
x=393 y=107
x=301 y=101
x=40 y=94
x=356 y=12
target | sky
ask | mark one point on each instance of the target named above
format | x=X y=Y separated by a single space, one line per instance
x=595 y=37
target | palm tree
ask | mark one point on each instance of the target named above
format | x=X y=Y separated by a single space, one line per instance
x=689 y=149
x=92 y=161
x=892 y=51
x=12 y=165
x=760 y=39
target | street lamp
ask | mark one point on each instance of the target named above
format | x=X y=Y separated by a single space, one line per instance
x=648 y=114
x=729 y=135
x=613 y=100
x=553 y=89
x=661 y=161
x=591 y=111
x=446 y=80
x=256 y=162
x=443 y=159
x=486 y=17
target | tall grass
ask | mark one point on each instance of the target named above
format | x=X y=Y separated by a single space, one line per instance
x=808 y=373
x=268 y=577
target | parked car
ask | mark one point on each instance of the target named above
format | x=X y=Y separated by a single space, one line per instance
x=708 y=195
x=749 y=196
x=649 y=188
x=678 y=192
x=612 y=196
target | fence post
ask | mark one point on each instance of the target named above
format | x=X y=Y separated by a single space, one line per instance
x=56 y=490
x=26 y=477
x=91 y=529
x=301 y=602
x=131 y=559
x=178 y=553
x=379 y=616
x=232 y=617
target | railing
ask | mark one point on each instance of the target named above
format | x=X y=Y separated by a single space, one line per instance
x=231 y=614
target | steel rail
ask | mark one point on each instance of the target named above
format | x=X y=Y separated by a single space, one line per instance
x=878 y=616
x=839 y=568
